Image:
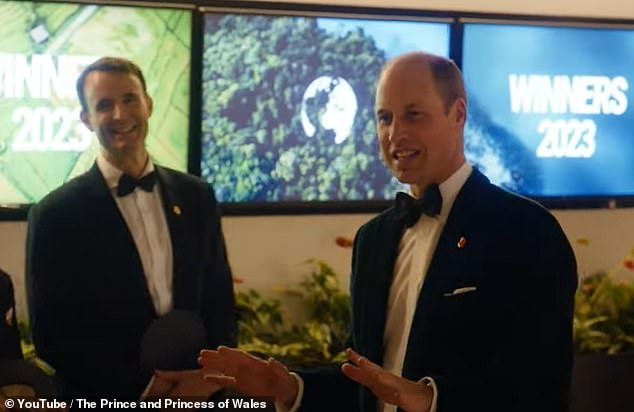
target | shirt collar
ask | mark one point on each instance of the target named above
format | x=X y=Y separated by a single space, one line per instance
x=449 y=188
x=112 y=174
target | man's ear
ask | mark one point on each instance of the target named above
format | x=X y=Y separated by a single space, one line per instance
x=150 y=105
x=459 y=111
x=83 y=116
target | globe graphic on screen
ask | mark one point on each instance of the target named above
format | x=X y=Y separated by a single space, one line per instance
x=329 y=103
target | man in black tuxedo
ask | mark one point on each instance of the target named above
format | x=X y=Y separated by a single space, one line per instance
x=462 y=300
x=120 y=245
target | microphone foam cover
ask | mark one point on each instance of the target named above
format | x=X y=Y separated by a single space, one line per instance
x=173 y=341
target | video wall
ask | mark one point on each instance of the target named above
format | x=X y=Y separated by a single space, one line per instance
x=43 y=48
x=274 y=105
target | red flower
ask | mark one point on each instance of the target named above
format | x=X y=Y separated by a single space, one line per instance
x=237 y=280
x=343 y=241
x=629 y=263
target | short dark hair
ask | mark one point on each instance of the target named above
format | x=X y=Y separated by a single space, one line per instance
x=108 y=64
x=447 y=76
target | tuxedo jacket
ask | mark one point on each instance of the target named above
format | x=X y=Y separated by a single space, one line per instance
x=504 y=346
x=88 y=297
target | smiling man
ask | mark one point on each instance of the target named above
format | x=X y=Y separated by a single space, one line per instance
x=121 y=245
x=462 y=296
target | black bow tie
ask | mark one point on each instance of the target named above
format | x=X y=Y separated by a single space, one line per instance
x=127 y=183
x=410 y=209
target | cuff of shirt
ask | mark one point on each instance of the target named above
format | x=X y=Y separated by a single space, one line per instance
x=146 y=391
x=429 y=381
x=298 y=400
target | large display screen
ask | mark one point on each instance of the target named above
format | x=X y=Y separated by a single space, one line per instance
x=288 y=104
x=43 y=48
x=550 y=108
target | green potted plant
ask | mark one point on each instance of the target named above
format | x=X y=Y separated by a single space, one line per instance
x=319 y=340
x=604 y=316
x=603 y=337
x=28 y=349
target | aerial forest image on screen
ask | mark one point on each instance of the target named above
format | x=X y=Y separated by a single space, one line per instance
x=288 y=105
x=43 y=48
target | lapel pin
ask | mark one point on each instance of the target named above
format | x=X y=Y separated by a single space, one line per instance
x=176 y=210
x=462 y=242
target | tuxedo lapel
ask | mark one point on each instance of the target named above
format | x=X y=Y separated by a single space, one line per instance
x=448 y=264
x=375 y=277
x=176 y=210
x=112 y=235
x=106 y=213
x=377 y=243
x=460 y=238
x=455 y=261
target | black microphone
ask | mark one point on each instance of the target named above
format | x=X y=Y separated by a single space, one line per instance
x=173 y=342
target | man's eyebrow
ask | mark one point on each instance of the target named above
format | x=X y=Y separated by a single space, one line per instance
x=407 y=107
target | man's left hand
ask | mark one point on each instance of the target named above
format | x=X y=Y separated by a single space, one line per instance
x=408 y=395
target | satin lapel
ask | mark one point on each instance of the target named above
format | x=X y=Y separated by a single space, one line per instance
x=452 y=265
x=381 y=251
x=450 y=261
x=115 y=233
x=442 y=269
x=175 y=210
x=373 y=275
x=105 y=209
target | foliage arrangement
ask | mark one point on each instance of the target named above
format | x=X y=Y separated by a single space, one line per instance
x=603 y=318
x=28 y=349
x=318 y=341
x=604 y=312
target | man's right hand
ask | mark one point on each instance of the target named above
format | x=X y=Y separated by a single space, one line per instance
x=250 y=375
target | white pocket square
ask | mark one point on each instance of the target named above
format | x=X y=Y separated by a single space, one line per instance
x=460 y=291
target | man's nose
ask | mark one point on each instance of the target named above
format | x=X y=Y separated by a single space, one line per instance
x=117 y=111
x=398 y=131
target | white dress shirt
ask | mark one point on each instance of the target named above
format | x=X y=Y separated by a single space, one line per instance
x=415 y=251
x=144 y=215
